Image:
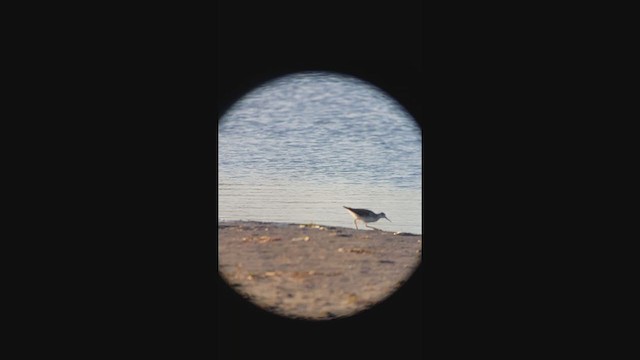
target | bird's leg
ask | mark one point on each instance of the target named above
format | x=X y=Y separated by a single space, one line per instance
x=371 y=227
x=354 y=221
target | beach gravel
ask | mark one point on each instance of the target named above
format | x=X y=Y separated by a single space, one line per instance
x=313 y=271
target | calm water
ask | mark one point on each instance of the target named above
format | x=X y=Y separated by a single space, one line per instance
x=298 y=148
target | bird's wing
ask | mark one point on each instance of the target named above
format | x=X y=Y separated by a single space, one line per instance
x=364 y=212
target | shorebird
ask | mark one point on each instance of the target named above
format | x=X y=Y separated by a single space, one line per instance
x=365 y=216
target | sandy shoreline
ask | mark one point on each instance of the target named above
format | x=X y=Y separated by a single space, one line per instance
x=314 y=271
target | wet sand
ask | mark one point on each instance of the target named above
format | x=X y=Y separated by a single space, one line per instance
x=313 y=271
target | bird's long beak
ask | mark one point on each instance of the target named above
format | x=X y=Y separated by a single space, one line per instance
x=388 y=219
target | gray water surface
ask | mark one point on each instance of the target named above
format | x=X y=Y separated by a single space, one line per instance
x=297 y=149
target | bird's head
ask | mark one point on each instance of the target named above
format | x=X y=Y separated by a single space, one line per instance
x=384 y=216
